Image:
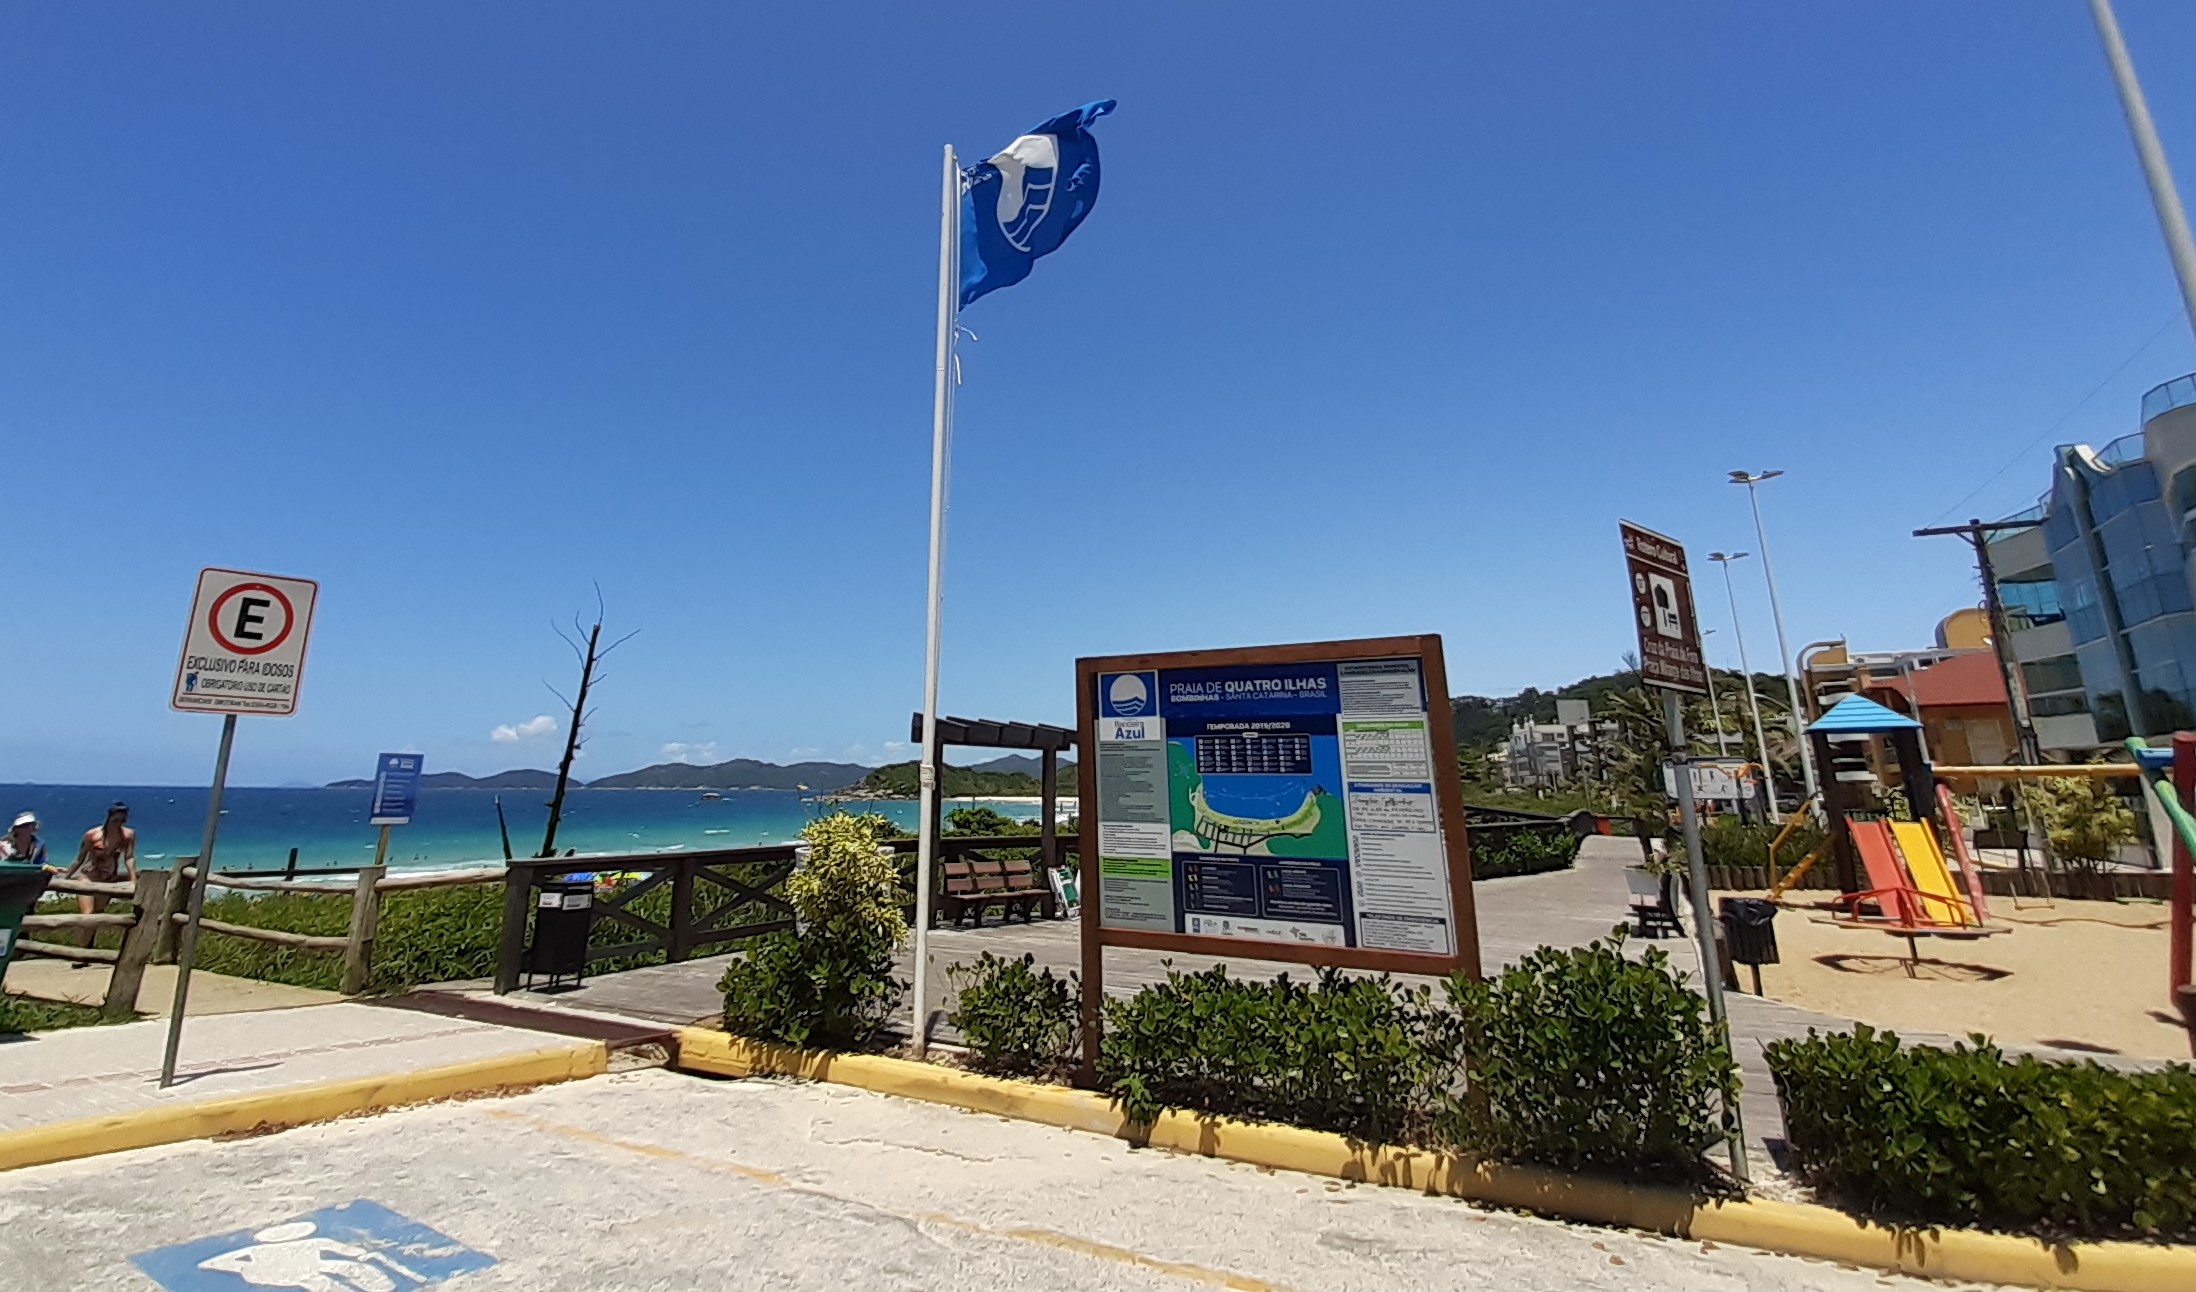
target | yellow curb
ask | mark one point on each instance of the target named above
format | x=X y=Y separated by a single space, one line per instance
x=278 y=1109
x=1792 y=1228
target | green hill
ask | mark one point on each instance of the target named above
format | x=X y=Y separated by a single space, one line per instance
x=902 y=781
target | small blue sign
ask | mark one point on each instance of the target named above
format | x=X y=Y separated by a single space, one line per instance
x=361 y=1246
x=396 y=789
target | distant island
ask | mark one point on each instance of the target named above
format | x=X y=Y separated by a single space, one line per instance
x=1011 y=776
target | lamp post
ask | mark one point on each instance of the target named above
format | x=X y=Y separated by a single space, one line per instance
x=1776 y=611
x=1753 y=704
x=1715 y=706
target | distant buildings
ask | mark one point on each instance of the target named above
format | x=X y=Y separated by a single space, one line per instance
x=2099 y=588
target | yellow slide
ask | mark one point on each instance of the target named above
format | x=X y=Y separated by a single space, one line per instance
x=1925 y=862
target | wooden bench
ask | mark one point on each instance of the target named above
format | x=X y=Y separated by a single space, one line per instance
x=978 y=883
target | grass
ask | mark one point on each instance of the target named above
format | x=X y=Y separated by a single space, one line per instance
x=24 y=1014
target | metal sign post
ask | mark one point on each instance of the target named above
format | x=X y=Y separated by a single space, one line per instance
x=243 y=652
x=1670 y=658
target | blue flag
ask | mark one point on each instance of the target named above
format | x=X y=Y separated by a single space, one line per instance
x=1023 y=203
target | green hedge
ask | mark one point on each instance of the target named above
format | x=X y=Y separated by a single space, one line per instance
x=1726 y=842
x=1522 y=850
x=1016 y=1020
x=1583 y=1058
x=426 y=935
x=1965 y=1136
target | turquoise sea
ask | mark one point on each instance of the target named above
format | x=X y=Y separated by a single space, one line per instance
x=453 y=828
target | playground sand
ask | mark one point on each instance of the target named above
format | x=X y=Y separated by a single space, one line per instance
x=2074 y=975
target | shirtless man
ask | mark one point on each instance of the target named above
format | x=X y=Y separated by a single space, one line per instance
x=108 y=853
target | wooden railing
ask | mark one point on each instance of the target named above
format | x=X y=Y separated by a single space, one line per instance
x=165 y=898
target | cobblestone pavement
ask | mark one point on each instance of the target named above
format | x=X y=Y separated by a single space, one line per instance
x=651 y=1180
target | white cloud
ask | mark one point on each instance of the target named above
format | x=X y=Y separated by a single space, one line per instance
x=541 y=724
x=697 y=752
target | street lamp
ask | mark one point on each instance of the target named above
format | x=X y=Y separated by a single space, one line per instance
x=1746 y=670
x=1715 y=706
x=1776 y=611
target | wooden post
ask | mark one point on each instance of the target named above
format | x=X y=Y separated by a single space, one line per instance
x=289 y=869
x=518 y=894
x=150 y=898
x=1048 y=800
x=174 y=901
x=358 y=955
x=682 y=910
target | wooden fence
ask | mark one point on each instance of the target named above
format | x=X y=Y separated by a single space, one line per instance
x=165 y=897
x=2106 y=886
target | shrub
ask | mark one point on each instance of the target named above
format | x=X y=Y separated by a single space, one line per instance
x=2085 y=820
x=1726 y=841
x=1962 y=1136
x=825 y=987
x=1015 y=1021
x=828 y=984
x=1345 y=1054
x=1583 y=1058
x=1500 y=853
x=426 y=935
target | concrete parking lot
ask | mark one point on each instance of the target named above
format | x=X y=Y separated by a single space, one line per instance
x=651 y=1180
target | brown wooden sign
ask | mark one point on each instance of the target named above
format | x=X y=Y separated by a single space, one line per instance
x=1296 y=803
x=1662 y=610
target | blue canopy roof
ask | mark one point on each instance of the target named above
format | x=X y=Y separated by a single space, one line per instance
x=1857 y=714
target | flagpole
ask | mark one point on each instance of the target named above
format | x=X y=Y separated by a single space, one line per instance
x=949 y=296
x=2165 y=199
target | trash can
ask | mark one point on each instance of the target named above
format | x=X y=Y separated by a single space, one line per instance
x=20 y=888
x=564 y=914
x=1749 y=932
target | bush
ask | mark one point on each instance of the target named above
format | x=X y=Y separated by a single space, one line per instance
x=1527 y=851
x=1583 y=1058
x=426 y=935
x=823 y=988
x=828 y=984
x=1962 y=1136
x=1346 y=1054
x=1726 y=841
x=1015 y=1021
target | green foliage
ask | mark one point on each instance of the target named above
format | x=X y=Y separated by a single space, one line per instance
x=426 y=935
x=24 y=1014
x=829 y=984
x=847 y=881
x=986 y=823
x=1522 y=851
x=1015 y=1020
x=2085 y=819
x=825 y=987
x=1726 y=841
x=1586 y=1059
x=904 y=781
x=1345 y=1054
x=1963 y=1136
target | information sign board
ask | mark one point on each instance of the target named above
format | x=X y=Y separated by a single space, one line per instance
x=1295 y=803
x=244 y=651
x=1662 y=607
x=396 y=789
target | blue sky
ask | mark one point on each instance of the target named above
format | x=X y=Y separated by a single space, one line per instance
x=1382 y=320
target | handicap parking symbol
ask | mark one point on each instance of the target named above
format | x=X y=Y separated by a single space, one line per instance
x=358 y=1247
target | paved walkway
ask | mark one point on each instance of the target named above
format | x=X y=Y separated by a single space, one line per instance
x=650 y=1180
x=211 y=993
x=52 y=1077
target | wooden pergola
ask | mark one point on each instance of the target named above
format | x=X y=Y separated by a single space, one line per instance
x=1043 y=739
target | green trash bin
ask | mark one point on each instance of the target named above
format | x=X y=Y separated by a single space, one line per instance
x=20 y=889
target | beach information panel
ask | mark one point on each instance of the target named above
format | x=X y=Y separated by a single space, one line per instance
x=1293 y=803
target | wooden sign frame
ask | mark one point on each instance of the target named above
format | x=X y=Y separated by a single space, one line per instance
x=1449 y=807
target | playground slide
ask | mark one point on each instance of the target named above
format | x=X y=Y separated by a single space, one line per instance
x=1918 y=843
x=1970 y=872
x=1872 y=840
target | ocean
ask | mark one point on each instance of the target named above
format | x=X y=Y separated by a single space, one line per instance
x=454 y=827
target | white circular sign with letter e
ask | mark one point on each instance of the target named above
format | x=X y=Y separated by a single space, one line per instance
x=244 y=651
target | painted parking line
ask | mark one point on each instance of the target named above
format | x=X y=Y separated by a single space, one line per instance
x=359 y=1246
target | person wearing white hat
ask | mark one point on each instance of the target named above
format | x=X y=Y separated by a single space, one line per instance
x=22 y=844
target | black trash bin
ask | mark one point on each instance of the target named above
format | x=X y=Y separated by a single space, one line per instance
x=20 y=888
x=564 y=914
x=1749 y=932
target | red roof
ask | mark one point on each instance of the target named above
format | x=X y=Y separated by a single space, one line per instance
x=1970 y=677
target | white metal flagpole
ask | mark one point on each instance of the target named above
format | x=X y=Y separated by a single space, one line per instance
x=949 y=300
x=2164 y=197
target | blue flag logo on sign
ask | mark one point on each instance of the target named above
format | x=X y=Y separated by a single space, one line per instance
x=1025 y=201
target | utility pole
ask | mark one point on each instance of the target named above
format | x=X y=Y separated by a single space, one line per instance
x=2165 y=198
x=2016 y=700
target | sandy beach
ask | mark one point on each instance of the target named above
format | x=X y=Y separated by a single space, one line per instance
x=2075 y=975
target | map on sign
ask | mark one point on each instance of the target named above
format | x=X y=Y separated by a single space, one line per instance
x=244 y=651
x=1288 y=803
